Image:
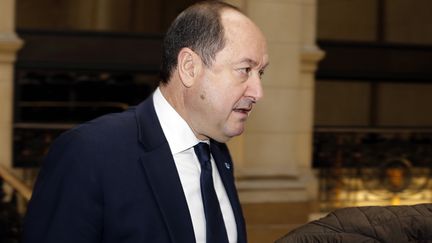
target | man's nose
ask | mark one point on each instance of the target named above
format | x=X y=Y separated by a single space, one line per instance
x=255 y=89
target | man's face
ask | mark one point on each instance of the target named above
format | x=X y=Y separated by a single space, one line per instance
x=226 y=92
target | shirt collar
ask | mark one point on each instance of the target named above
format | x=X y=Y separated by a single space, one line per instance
x=179 y=135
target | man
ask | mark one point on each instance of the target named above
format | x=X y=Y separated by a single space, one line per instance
x=139 y=176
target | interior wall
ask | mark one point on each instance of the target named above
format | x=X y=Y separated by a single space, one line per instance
x=357 y=20
x=42 y=14
x=404 y=104
x=409 y=21
x=347 y=19
x=145 y=16
x=341 y=103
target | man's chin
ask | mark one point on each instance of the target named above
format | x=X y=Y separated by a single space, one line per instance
x=235 y=132
x=227 y=133
x=223 y=138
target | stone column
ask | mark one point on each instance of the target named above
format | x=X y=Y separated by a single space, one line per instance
x=275 y=151
x=310 y=55
x=9 y=44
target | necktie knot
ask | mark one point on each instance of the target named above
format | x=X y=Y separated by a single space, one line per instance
x=202 y=150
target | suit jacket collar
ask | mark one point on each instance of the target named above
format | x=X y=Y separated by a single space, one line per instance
x=162 y=175
x=150 y=133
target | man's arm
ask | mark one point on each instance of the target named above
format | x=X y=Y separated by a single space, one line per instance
x=66 y=205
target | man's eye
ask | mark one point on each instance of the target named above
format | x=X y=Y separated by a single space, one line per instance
x=261 y=73
x=245 y=70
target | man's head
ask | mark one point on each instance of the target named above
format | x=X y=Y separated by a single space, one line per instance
x=213 y=76
x=199 y=28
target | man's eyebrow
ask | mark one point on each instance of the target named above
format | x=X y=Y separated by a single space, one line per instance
x=253 y=63
x=249 y=61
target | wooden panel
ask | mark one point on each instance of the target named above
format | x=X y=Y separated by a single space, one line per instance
x=90 y=50
x=373 y=61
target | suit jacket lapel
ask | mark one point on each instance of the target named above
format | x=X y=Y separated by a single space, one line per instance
x=161 y=171
x=225 y=167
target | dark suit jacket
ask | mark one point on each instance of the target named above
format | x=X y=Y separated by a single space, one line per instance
x=113 y=179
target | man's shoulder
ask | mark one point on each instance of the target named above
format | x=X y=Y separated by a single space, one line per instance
x=109 y=125
x=106 y=129
x=97 y=141
x=113 y=129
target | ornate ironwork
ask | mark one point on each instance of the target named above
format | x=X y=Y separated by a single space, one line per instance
x=380 y=166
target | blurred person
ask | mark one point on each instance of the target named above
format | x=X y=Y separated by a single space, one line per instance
x=160 y=172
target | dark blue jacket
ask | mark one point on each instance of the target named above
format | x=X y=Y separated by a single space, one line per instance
x=114 y=180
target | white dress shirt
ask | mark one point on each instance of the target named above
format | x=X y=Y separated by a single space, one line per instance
x=181 y=140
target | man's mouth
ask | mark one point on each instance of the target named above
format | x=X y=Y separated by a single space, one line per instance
x=243 y=110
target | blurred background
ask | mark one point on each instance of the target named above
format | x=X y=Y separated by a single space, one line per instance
x=346 y=119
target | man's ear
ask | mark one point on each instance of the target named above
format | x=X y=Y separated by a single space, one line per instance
x=188 y=65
